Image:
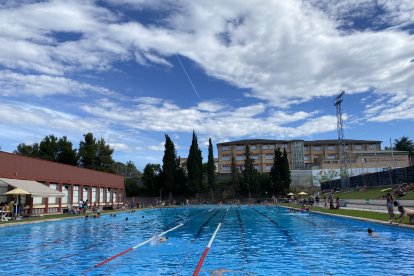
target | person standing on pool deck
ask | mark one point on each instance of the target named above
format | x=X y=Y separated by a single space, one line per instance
x=404 y=211
x=390 y=207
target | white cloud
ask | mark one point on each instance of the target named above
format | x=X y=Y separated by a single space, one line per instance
x=15 y=84
x=45 y=119
x=210 y=106
x=285 y=52
x=398 y=107
x=220 y=124
x=159 y=147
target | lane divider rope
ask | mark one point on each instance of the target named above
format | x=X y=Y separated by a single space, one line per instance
x=131 y=248
x=200 y=262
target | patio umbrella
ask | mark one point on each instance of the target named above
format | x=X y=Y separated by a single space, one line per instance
x=302 y=194
x=17 y=192
x=290 y=194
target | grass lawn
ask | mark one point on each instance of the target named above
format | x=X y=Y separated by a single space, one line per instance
x=354 y=213
x=359 y=214
x=370 y=193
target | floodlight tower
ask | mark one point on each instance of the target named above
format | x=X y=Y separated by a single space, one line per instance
x=341 y=143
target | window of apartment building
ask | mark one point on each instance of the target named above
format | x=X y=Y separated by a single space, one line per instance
x=256 y=168
x=225 y=158
x=358 y=147
x=268 y=147
x=317 y=148
x=225 y=148
x=331 y=156
x=254 y=147
x=240 y=147
x=372 y=146
x=239 y=157
x=331 y=147
x=254 y=157
x=306 y=158
x=305 y=148
x=268 y=168
x=284 y=146
x=269 y=157
x=225 y=168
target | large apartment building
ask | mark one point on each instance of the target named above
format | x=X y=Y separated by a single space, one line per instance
x=317 y=154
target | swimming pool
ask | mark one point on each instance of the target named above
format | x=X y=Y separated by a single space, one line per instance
x=254 y=240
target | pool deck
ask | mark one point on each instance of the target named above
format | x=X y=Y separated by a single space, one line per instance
x=45 y=219
x=359 y=218
x=23 y=222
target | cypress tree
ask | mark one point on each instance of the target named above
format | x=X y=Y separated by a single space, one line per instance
x=195 y=166
x=286 y=177
x=211 y=180
x=276 y=172
x=169 y=165
x=234 y=176
x=249 y=172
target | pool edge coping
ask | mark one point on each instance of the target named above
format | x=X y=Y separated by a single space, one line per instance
x=358 y=218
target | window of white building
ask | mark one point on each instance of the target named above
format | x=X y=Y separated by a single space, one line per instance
x=225 y=148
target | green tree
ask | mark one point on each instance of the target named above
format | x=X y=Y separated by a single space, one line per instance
x=249 y=172
x=169 y=166
x=286 y=177
x=325 y=175
x=181 y=185
x=235 y=176
x=131 y=187
x=405 y=144
x=28 y=150
x=151 y=178
x=48 y=148
x=104 y=161
x=87 y=151
x=66 y=154
x=211 y=168
x=276 y=173
x=195 y=166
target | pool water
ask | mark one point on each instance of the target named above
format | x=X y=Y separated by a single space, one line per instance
x=256 y=240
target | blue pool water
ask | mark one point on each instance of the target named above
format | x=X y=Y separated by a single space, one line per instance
x=253 y=240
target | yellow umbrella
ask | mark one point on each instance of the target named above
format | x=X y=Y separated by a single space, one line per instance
x=290 y=194
x=302 y=193
x=17 y=191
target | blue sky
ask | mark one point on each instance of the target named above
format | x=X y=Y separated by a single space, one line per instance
x=132 y=70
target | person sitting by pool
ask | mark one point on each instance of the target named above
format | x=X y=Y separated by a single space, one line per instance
x=371 y=233
x=404 y=211
x=163 y=239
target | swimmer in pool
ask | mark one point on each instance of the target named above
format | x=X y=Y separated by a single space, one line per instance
x=371 y=233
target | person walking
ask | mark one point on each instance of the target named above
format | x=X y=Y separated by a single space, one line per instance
x=390 y=207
